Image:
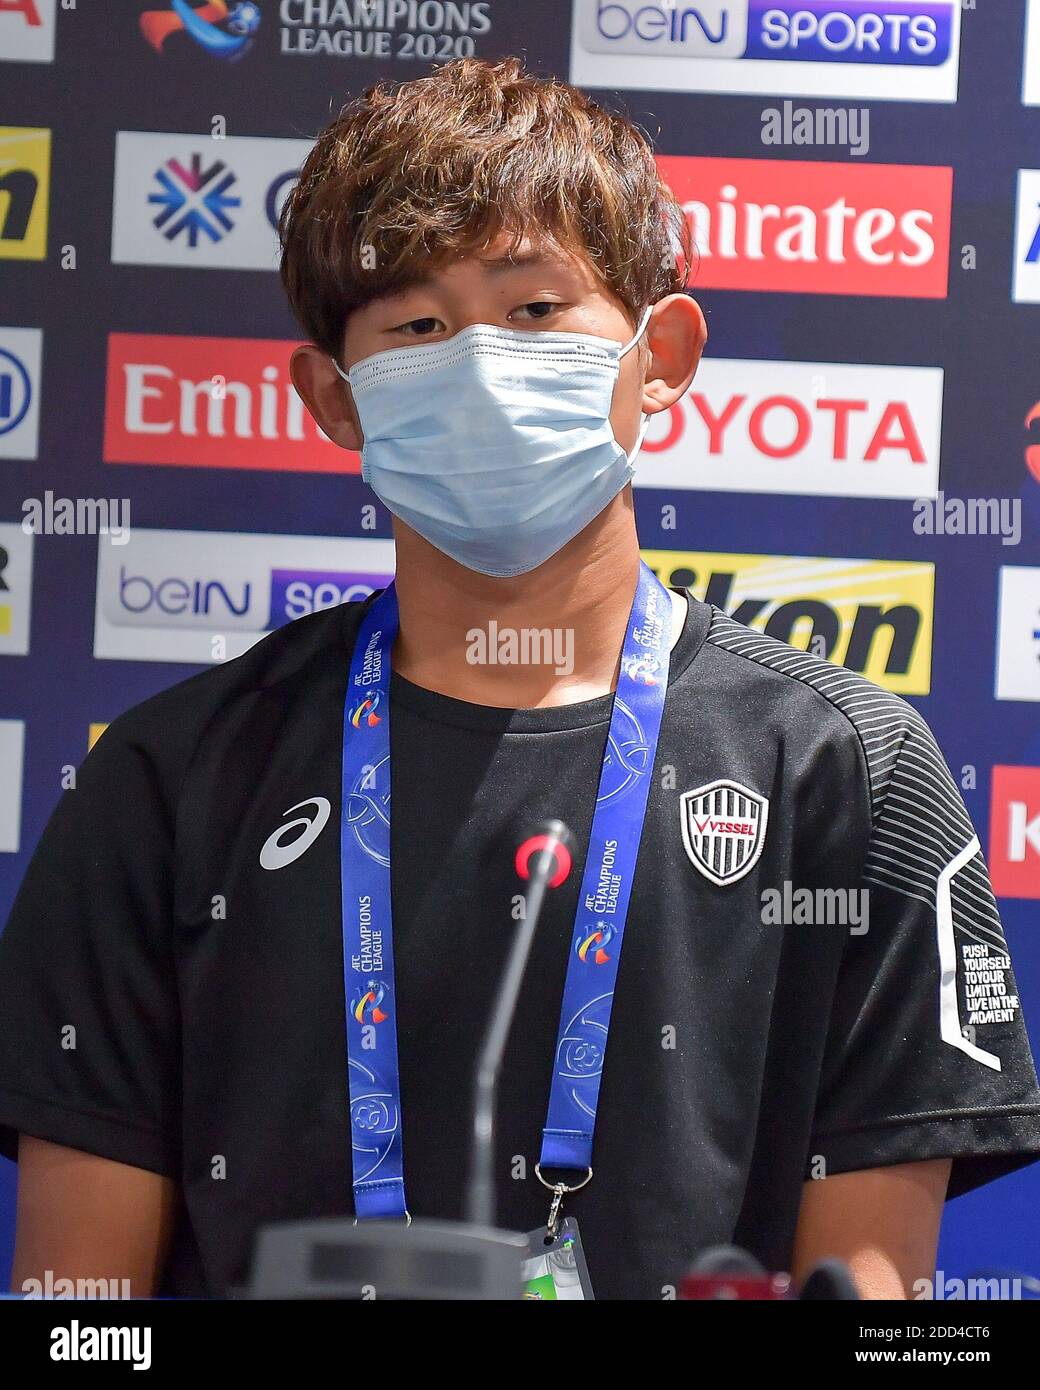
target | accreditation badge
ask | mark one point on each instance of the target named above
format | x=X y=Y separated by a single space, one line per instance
x=556 y=1269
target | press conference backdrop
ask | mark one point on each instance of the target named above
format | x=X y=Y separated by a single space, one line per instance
x=857 y=464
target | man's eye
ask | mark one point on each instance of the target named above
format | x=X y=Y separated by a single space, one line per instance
x=537 y=309
x=420 y=328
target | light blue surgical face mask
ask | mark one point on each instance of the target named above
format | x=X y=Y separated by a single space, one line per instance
x=496 y=444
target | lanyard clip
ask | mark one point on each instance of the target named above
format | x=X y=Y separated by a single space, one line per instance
x=558 y=1190
x=552 y=1226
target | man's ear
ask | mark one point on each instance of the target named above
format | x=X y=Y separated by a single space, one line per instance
x=675 y=335
x=326 y=395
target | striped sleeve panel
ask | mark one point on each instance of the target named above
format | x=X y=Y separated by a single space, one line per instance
x=923 y=845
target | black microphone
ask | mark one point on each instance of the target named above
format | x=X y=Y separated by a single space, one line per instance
x=544 y=860
x=831 y=1280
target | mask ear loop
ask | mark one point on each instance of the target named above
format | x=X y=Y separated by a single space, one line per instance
x=633 y=452
x=640 y=330
x=645 y=425
x=364 y=465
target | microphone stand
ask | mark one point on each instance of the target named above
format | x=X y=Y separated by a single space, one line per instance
x=337 y=1258
x=480 y=1207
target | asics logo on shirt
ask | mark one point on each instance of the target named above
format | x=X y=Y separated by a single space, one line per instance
x=276 y=853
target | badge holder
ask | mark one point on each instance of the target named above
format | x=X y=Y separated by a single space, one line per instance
x=555 y=1268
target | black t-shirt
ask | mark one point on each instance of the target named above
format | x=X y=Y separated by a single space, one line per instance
x=168 y=1002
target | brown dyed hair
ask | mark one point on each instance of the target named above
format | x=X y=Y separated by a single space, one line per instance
x=411 y=176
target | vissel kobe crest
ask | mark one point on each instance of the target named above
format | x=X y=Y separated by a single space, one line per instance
x=723 y=829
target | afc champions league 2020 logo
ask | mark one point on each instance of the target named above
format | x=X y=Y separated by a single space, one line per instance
x=221 y=31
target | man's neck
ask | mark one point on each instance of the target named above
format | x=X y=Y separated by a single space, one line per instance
x=549 y=637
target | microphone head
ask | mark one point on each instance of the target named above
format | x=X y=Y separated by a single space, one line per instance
x=830 y=1279
x=550 y=837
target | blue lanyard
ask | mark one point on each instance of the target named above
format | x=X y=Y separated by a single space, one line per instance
x=368 y=956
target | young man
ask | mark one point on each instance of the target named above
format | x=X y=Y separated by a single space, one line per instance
x=237 y=988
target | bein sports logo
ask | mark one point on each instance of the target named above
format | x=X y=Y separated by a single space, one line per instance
x=295 y=593
x=221 y=32
x=916 y=33
x=174 y=599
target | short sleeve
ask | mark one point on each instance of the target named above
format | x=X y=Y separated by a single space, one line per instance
x=89 y=1021
x=927 y=1054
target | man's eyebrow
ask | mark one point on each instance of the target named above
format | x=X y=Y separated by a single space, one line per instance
x=496 y=264
x=493 y=264
x=415 y=282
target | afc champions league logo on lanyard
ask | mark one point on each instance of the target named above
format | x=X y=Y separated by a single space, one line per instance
x=593 y=941
x=366 y=1008
x=364 y=712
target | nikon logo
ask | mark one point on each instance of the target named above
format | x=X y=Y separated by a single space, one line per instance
x=870 y=616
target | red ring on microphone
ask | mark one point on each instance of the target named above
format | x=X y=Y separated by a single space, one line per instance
x=540 y=842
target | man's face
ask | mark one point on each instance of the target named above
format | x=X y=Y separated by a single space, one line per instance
x=538 y=288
